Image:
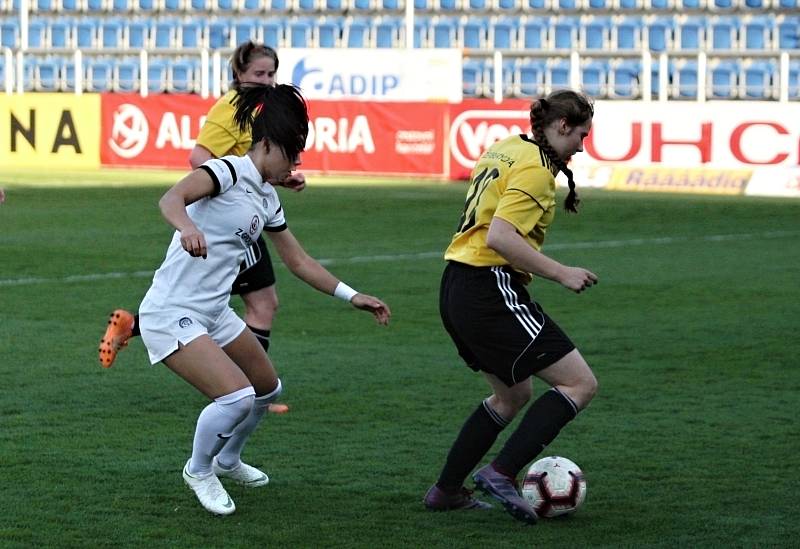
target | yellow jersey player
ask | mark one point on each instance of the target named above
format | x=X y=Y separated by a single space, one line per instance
x=495 y=325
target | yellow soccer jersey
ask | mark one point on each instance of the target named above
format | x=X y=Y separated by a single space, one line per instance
x=220 y=134
x=513 y=180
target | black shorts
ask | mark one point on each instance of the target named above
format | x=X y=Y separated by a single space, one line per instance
x=256 y=271
x=495 y=325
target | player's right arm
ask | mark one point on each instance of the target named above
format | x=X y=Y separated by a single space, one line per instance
x=193 y=187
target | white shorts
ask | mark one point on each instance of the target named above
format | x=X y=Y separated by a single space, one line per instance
x=164 y=330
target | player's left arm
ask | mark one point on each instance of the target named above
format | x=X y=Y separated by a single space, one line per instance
x=308 y=269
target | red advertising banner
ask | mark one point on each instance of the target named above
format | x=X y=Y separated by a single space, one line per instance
x=344 y=136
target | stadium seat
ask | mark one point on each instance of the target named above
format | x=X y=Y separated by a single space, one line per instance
x=422 y=5
x=305 y=7
x=794 y=79
x=722 y=5
x=360 y=6
x=507 y=78
x=121 y=7
x=443 y=31
x=272 y=33
x=390 y=5
x=755 y=4
x=473 y=73
x=453 y=5
x=146 y=6
x=85 y=33
x=685 y=79
x=279 y=5
x=136 y=34
x=99 y=75
x=690 y=33
x=218 y=33
x=789 y=33
x=356 y=33
x=172 y=6
x=300 y=33
x=724 y=33
x=659 y=34
x=126 y=75
x=599 y=5
x=223 y=6
x=757 y=33
x=507 y=5
x=627 y=34
x=594 y=78
x=111 y=33
x=691 y=5
x=724 y=81
x=421 y=32
x=530 y=76
x=164 y=34
x=565 y=33
x=386 y=32
x=250 y=6
x=46 y=75
x=624 y=79
x=190 y=34
x=327 y=32
x=537 y=5
x=595 y=33
x=787 y=4
x=568 y=5
x=199 y=5
x=759 y=79
x=503 y=33
x=68 y=75
x=629 y=5
x=473 y=33
x=71 y=7
x=243 y=30
x=59 y=34
x=9 y=33
x=533 y=33
x=660 y=5
x=558 y=73
x=95 y=7
x=180 y=76
x=156 y=75
x=37 y=30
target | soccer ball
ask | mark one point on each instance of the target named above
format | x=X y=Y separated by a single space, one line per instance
x=554 y=486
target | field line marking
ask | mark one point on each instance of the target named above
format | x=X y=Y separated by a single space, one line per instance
x=27 y=281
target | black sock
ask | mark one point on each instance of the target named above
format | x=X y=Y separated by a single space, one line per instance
x=262 y=336
x=476 y=437
x=135 y=330
x=540 y=425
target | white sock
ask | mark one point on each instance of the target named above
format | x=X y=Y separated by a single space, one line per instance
x=216 y=425
x=231 y=454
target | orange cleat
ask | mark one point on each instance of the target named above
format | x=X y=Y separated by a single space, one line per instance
x=118 y=332
x=278 y=408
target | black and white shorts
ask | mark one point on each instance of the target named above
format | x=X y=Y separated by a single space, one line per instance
x=495 y=325
x=256 y=271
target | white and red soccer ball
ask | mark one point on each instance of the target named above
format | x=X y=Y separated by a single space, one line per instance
x=554 y=486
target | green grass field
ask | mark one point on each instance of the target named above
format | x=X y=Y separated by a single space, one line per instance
x=692 y=440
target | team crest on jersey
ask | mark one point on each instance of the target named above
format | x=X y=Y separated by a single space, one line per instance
x=185 y=322
x=254 y=225
x=265 y=202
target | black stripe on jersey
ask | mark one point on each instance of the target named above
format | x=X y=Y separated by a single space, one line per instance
x=280 y=209
x=531 y=196
x=277 y=229
x=214 y=179
x=546 y=162
x=230 y=167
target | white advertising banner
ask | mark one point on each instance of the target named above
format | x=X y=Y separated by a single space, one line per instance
x=374 y=74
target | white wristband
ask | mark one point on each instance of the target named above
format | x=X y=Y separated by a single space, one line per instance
x=343 y=291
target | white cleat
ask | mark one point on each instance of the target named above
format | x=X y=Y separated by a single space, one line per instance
x=244 y=474
x=209 y=492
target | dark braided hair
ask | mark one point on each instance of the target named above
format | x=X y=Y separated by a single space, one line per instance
x=278 y=114
x=246 y=53
x=576 y=108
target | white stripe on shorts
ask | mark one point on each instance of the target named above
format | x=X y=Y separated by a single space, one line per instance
x=521 y=312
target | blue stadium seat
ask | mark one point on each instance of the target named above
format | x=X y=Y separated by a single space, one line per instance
x=503 y=33
x=180 y=76
x=37 y=30
x=85 y=33
x=355 y=33
x=724 y=33
x=565 y=33
x=71 y=6
x=190 y=34
x=596 y=33
x=99 y=75
x=755 y=4
x=59 y=34
x=722 y=4
x=690 y=5
x=630 y=5
x=327 y=32
x=278 y=5
x=146 y=5
x=757 y=32
x=594 y=78
x=473 y=73
x=199 y=5
x=787 y=4
x=690 y=33
x=537 y=5
x=659 y=34
x=473 y=33
x=136 y=34
x=386 y=32
x=157 y=75
x=272 y=33
x=508 y=5
x=558 y=73
x=27 y=73
x=627 y=34
x=422 y=5
x=121 y=7
x=530 y=76
x=250 y=6
x=477 y=5
x=758 y=79
x=245 y=29
x=68 y=74
x=443 y=32
x=218 y=33
x=422 y=28
x=533 y=33
x=173 y=6
x=164 y=33
x=95 y=6
x=794 y=79
x=789 y=33
x=685 y=79
x=568 y=5
x=224 y=6
x=46 y=75
x=599 y=5
x=9 y=33
x=507 y=77
x=724 y=80
x=661 y=5
x=306 y=7
x=451 y=5
x=390 y=5
x=300 y=33
x=111 y=33
x=360 y=6
x=624 y=79
x=126 y=75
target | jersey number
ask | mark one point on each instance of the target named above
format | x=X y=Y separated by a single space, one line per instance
x=476 y=188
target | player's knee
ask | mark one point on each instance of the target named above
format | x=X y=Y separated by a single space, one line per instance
x=585 y=390
x=238 y=404
x=272 y=394
x=509 y=404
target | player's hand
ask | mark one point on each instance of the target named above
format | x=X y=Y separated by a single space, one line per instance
x=577 y=279
x=194 y=242
x=378 y=308
x=295 y=182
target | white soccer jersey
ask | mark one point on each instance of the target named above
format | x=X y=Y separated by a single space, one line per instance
x=231 y=220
